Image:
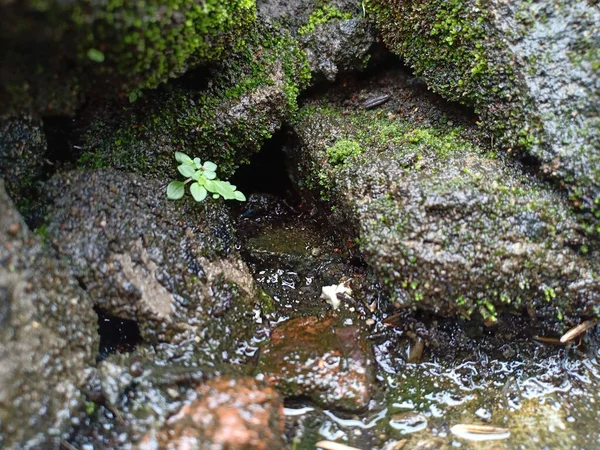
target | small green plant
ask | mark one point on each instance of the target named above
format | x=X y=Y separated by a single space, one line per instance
x=204 y=180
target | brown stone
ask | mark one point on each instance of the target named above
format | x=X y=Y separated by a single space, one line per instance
x=228 y=414
x=320 y=358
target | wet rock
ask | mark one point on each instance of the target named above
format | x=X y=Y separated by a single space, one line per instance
x=22 y=151
x=168 y=265
x=338 y=47
x=446 y=226
x=246 y=99
x=229 y=414
x=137 y=400
x=48 y=338
x=325 y=359
x=336 y=36
x=530 y=70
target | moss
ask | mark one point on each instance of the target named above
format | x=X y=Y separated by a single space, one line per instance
x=255 y=90
x=451 y=44
x=342 y=150
x=58 y=51
x=321 y=16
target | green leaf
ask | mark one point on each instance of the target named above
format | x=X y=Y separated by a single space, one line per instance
x=175 y=190
x=95 y=55
x=186 y=171
x=209 y=175
x=183 y=158
x=198 y=177
x=210 y=166
x=210 y=185
x=224 y=188
x=239 y=196
x=215 y=196
x=198 y=192
x=197 y=163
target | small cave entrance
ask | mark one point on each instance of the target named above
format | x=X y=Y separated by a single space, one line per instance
x=116 y=335
x=268 y=171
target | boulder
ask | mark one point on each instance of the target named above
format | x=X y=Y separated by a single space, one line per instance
x=48 y=338
x=170 y=266
x=447 y=225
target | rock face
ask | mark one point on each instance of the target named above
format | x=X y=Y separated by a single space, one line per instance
x=55 y=53
x=531 y=71
x=446 y=226
x=48 y=338
x=338 y=46
x=235 y=414
x=320 y=358
x=168 y=265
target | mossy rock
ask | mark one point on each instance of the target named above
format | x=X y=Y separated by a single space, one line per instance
x=246 y=101
x=446 y=225
x=530 y=69
x=56 y=53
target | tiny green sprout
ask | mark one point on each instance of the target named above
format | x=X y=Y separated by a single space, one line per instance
x=203 y=177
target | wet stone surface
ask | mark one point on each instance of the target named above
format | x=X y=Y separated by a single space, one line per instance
x=322 y=358
x=230 y=414
x=446 y=225
x=170 y=266
x=48 y=338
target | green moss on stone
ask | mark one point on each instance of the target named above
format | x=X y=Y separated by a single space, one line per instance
x=53 y=52
x=342 y=150
x=446 y=225
x=321 y=16
x=253 y=92
x=452 y=45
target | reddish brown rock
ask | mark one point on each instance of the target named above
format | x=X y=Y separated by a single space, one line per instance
x=228 y=414
x=320 y=358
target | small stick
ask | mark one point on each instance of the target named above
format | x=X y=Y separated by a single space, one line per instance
x=579 y=329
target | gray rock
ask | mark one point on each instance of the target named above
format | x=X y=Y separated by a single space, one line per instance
x=446 y=226
x=339 y=46
x=48 y=338
x=530 y=69
x=168 y=265
x=336 y=36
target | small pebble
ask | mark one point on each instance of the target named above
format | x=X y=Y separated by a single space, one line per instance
x=14 y=228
